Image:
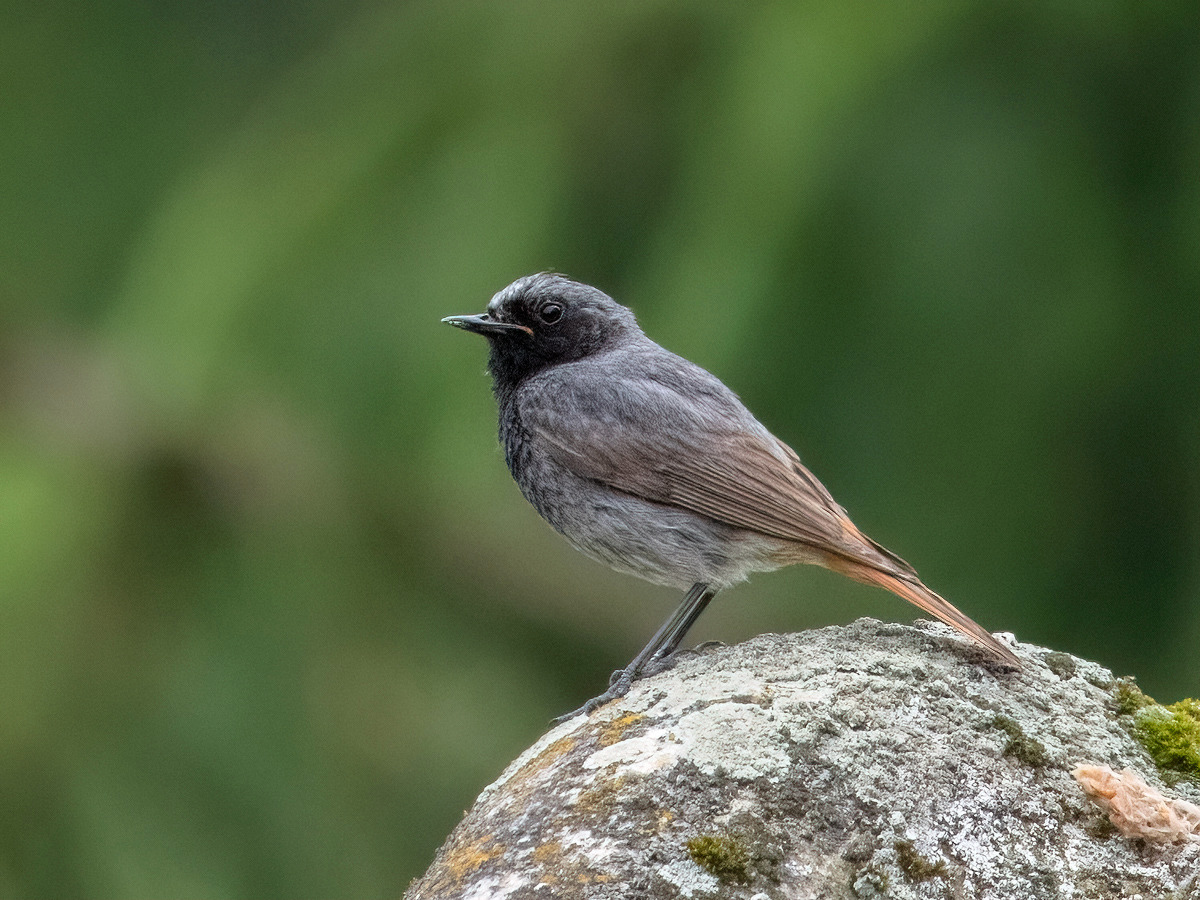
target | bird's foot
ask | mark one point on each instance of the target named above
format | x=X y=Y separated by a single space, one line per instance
x=619 y=683
x=658 y=665
x=616 y=689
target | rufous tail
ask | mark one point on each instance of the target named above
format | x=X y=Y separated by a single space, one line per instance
x=917 y=594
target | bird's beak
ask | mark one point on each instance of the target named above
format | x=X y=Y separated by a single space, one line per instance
x=484 y=324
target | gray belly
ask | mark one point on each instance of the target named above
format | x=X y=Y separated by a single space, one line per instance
x=662 y=544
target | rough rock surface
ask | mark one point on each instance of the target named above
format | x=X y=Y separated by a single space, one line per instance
x=861 y=761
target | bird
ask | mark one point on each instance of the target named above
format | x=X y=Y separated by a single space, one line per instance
x=647 y=462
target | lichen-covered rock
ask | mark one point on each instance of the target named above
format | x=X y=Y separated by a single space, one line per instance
x=861 y=761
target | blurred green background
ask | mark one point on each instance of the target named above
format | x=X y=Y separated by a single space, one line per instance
x=272 y=611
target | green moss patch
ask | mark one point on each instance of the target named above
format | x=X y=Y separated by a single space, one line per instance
x=1061 y=664
x=726 y=857
x=1129 y=698
x=1171 y=735
x=915 y=866
x=1021 y=746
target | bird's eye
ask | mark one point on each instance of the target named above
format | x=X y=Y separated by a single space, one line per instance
x=551 y=313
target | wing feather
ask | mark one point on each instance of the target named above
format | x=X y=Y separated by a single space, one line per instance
x=648 y=439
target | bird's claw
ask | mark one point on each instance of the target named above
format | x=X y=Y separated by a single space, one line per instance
x=619 y=683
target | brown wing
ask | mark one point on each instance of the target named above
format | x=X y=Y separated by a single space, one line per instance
x=648 y=440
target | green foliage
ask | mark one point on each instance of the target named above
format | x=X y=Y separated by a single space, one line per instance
x=271 y=610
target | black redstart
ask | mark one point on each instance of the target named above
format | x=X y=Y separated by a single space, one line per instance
x=648 y=463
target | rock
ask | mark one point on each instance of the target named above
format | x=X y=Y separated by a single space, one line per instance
x=861 y=761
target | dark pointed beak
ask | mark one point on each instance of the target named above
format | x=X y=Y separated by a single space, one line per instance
x=484 y=324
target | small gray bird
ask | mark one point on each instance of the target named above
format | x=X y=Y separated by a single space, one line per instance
x=648 y=463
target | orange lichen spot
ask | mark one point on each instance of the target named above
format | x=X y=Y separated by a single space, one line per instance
x=551 y=753
x=548 y=857
x=602 y=797
x=459 y=861
x=663 y=818
x=557 y=868
x=611 y=732
x=546 y=852
x=519 y=783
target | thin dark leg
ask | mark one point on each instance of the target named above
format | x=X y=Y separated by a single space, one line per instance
x=665 y=641
x=694 y=603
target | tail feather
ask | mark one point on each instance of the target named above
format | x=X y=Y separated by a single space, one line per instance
x=920 y=596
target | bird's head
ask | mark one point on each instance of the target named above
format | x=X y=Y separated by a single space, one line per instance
x=545 y=319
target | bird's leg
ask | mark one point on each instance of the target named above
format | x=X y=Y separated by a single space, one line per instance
x=657 y=651
x=666 y=640
x=694 y=603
